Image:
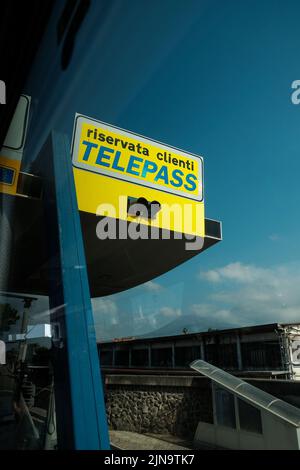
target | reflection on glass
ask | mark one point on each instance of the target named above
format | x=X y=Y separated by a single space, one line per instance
x=250 y=417
x=148 y=309
x=225 y=411
x=27 y=418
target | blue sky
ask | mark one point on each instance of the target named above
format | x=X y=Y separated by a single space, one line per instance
x=224 y=92
x=214 y=78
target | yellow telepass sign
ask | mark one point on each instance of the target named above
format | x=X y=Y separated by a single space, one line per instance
x=110 y=162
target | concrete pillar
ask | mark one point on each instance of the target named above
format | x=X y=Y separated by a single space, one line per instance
x=129 y=359
x=202 y=350
x=239 y=352
x=173 y=355
x=114 y=356
x=149 y=356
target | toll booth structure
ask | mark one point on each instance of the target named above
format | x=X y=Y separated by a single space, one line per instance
x=63 y=259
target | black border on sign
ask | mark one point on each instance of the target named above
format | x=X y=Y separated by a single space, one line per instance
x=144 y=137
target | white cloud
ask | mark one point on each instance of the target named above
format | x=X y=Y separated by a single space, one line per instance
x=211 y=276
x=152 y=286
x=238 y=272
x=169 y=312
x=214 y=315
x=201 y=310
x=105 y=306
x=244 y=294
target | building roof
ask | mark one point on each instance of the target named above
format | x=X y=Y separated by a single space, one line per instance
x=270 y=327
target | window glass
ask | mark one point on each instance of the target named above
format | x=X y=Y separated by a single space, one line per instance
x=27 y=417
x=223 y=85
x=185 y=355
x=225 y=410
x=249 y=417
x=140 y=357
x=161 y=357
x=262 y=355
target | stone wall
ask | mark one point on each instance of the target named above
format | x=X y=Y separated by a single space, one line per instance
x=158 y=404
x=170 y=404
